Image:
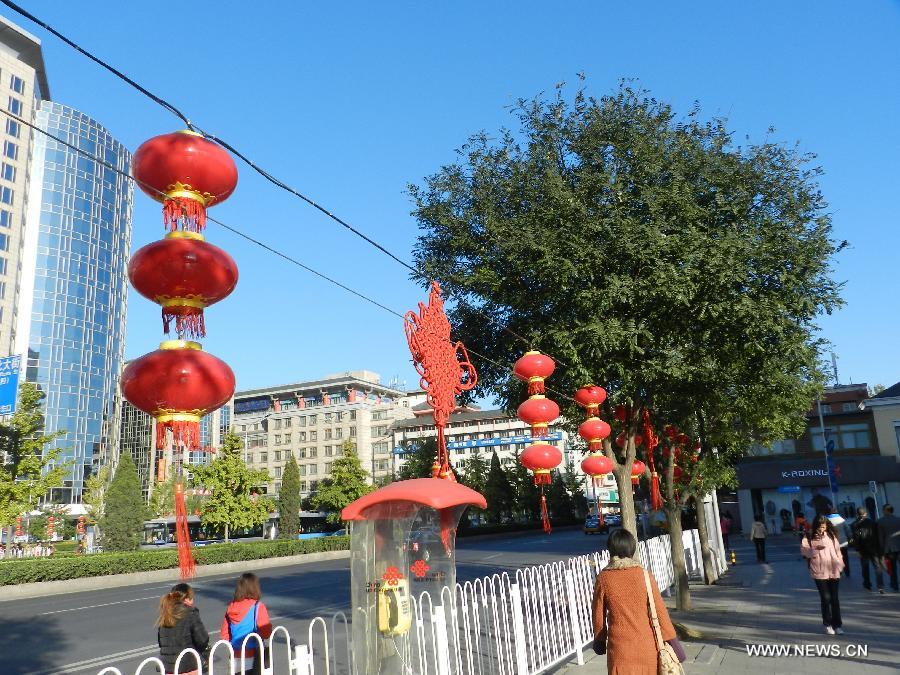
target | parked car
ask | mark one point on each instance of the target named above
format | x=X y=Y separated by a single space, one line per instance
x=613 y=520
x=592 y=525
x=424 y=542
x=338 y=533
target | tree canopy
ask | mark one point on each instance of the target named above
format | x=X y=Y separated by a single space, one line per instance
x=122 y=523
x=289 y=500
x=348 y=482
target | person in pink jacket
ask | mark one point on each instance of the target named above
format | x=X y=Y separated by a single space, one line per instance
x=822 y=551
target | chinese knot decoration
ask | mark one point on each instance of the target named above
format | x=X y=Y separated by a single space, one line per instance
x=652 y=440
x=443 y=366
x=179 y=383
x=539 y=412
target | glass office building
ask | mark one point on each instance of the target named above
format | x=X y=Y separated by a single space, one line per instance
x=77 y=243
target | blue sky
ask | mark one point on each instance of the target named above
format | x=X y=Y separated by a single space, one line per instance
x=351 y=101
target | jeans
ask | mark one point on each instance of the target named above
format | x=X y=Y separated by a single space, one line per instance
x=831 y=606
x=893 y=557
x=874 y=561
x=760 y=549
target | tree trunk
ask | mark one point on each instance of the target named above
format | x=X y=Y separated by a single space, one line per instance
x=626 y=498
x=709 y=568
x=676 y=544
x=226 y=533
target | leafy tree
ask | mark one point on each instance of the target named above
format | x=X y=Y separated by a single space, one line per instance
x=289 y=500
x=348 y=482
x=559 y=501
x=649 y=254
x=419 y=458
x=573 y=483
x=94 y=496
x=474 y=474
x=233 y=502
x=29 y=467
x=123 y=518
x=527 y=495
x=162 y=496
x=497 y=492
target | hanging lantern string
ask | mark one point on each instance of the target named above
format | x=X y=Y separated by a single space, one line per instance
x=263 y=245
x=258 y=169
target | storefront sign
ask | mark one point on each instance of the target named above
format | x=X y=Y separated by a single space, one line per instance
x=804 y=473
x=789 y=488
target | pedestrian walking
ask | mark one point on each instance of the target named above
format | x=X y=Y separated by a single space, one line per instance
x=636 y=635
x=725 y=525
x=178 y=628
x=246 y=614
x=889 y=541
x=758 y=535
x=823 y=553
x=865 y=542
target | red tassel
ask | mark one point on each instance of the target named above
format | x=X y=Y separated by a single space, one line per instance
x=539 y=431
x=188 y=321
x=184 y=431
x=446 y=519
x=543 y=478
x=186 y=562
x=185 y=212
x=656 y=500
x=545 y=515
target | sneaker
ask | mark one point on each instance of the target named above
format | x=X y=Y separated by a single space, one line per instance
x=829 y=630
x=839 y=631
x=881 y=591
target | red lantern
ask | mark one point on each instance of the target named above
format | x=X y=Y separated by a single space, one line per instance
x=533 y=368
x=677 y=472
x=178 y=384
x=595 y=465
x=184 y=274
x=187 y=173
x=620 y=413
x=622 y=438
x=538 y=411
x=541 y=459
x=682 y=439
x=670 y=430
x=594 y=430
x=590 y=398
x=637 y=470
x=698 y=446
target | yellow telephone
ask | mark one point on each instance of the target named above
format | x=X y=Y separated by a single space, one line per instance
x=394 y=612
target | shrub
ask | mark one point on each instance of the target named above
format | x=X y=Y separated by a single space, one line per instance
x=102 y=564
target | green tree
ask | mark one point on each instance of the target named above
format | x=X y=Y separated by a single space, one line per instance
x=348 y=482
x=162 y=496
x=419 y=457
x=473 y=474
x=497 y=492
x=289 y=500
x=574 y=485
x=559 y=501
x=233 y=502
x=94 y=496
x=527 y=495
x=678 y=268
x=30 y=466
x=123 y=519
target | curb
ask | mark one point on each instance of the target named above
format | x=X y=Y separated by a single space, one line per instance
x=42 y=589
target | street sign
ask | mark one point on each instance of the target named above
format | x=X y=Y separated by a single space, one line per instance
x=873 y=487
x=9 y=384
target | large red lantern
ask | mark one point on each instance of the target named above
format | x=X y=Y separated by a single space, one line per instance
x=596 y=465
x=538 y=411
x=594 y=430
x=533 y=368
x=541 y=458
x=637 y=470
x=187 y=173
x=178 y=384
x=590 y=398
x=184 y=274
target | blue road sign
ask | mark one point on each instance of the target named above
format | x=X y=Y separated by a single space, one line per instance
x=9 y=384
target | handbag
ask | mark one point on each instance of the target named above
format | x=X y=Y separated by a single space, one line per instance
x=666 y=660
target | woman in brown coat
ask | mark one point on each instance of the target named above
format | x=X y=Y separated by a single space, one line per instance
x=622 y=628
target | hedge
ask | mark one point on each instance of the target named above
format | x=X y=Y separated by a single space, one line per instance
x=102 y=564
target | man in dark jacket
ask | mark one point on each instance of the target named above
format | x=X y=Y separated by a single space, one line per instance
x=889 y=540
x=865 y=541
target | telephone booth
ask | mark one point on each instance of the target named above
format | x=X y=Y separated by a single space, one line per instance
x=403 y=542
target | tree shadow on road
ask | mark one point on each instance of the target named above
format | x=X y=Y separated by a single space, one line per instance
x=31 y=645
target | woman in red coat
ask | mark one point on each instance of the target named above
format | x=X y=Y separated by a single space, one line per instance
x=622 y=627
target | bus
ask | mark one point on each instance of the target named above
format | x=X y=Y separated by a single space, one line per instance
x=161 y=531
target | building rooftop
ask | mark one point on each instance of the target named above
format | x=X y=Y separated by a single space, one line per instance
x=27 y=48
x=890 y=392
x=465 y=415
x=356 y=377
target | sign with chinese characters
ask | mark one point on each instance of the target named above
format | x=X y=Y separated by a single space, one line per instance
x=9 y=384
x=509 y=440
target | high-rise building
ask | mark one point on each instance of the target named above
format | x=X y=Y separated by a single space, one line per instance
x=23 y=85
x=73 y=290
x=314 y=420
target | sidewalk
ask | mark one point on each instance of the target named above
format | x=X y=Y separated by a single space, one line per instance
x=777 y=604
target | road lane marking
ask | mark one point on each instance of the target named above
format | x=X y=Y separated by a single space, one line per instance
x=105 y=604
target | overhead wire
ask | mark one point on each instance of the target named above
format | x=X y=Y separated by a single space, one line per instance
x=262 y=172
x=243 y=235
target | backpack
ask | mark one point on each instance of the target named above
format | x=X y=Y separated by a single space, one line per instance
x=864 y=536
x=243 y=628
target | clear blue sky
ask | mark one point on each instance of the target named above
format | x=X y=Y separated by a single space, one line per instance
x=351 y=101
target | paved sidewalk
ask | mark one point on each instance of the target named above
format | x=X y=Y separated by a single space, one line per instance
x=777 y=604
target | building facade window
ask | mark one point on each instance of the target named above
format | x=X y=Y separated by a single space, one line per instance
x=15 y=106
x=17 y=84
x=5 y=218
x=845 y=437
x=10 y=150
x=13 y=128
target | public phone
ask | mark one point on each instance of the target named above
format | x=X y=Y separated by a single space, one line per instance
x=394 y=611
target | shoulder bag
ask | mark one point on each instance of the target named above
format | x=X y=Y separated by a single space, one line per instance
x=667 y=661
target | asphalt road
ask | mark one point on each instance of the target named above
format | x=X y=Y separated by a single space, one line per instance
x=85 y=632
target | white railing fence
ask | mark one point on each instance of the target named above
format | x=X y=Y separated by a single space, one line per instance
x=511 y=623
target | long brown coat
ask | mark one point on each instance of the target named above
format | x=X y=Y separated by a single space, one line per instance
x=622 y=620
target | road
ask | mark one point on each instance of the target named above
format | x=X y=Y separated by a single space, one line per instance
x=84 y=632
